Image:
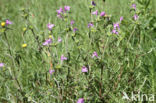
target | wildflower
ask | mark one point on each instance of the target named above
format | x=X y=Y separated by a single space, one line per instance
x=90 y=25
x=59 y=11
x=116 y=25
x=72 y=22
x=59 y=16
x=24 y=45
x=94 y=55
x=102 y=13
x=50 y=26
x=50 y=36
x=116 y=28
x=135 y=17
x=84 y=69
x=24 y=29
x=47 y=42
x=114 y=31
x=2 y=24
x=93 y=3
x=51 y=71
x=134 y=6
x=75 y=29
x=59 y=39
x=63 y=58
x=8 y=22
x=95 y=13
x=1 y=64
x=66 y=8
x=121 y=18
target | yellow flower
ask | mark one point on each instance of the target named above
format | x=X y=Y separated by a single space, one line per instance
x=24 y=29
x=24 y=45
x=50 y=36
x=2 y=24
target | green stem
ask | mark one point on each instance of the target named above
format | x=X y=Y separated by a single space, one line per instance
x=7 y=43
x=131 y=34
x=105 y=47
x=14 y=76
x=37 y=40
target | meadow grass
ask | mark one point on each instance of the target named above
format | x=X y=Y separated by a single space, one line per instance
x=125 y=62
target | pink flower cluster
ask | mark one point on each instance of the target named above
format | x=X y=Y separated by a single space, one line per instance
x=47 y=42
x=51 y=71
x=80 y=100
x=61 y=11
x=116 y=26
x=8 y=22
x=50 y=26
x=135 y=17
x=96 y=13
x=1 y=64
x=84 y=69
x=63 y=58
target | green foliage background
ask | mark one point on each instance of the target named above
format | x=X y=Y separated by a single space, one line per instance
x=128 y=62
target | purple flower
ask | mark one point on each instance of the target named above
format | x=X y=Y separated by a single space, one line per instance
x=90 y=25
x=134 y=6
x=116 y=28
x=95 y=13
x=80 y=100
x=135 y=17
x=75 y=29
x=8 y=22
x=50 y=26
x=47 y=42
x=66 y=8
x=94 y=55
x=1 y=64
x=121 y=18
x=51 y=71
x=114 y=31
x=59 y=39
x=84 y=69
x=72 y=22
x=63 y=58
x=93 y=3
x=116 y=25
x=59 y=11
x=102 y=13
x=59 y=16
